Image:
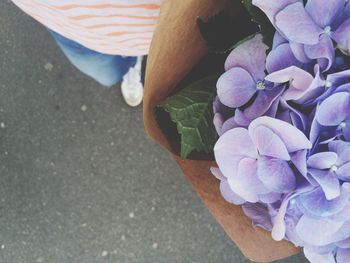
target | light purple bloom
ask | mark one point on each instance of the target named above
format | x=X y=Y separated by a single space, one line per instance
x=311 y=28
x=284 y=125
x=256 y=162
x=243 y=84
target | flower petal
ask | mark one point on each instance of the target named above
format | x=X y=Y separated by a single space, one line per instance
x=343 y=215
x=269 y=144
x=278 y=40
x=246 y=184
x=241 y=192
x=315 y=89
x=344 y=243
x=343 y=255
x=299 y=80
x=346 y=130
x=229 y=124
x=299 y=52
x=280 y=222
x=342 y=35
x=276 y=174
x=334 y=110
x=279 y=227
x=229 y=195
x=323 y=51
x=231 y=147
x=280 y=58
x=293 y=138
x=218 y=122
x=263 y=102
x=296 y=118
x=315 y=203
x=271 y=8
x=319 y=258
x=299 y=160
x=343 y=172
x=317 y=232
x=323 y=160
x=241 y=119
x=342 y=149
x=270 y=198
x=328 y=181
x=217 y=173
x=297 y=25
x=247 y=176
x=235 y=87
x=324 y=12
x=251 y=56
x=259 y=214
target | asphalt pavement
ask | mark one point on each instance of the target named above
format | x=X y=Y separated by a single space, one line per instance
x=80 y=182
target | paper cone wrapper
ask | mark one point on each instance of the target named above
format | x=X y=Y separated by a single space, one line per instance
x=176 y=48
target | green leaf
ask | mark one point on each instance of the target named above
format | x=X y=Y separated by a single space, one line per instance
x=262 y=20
x=191 y=109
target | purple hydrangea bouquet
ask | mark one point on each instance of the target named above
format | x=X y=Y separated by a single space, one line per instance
x=283 y=116
x=282 y=119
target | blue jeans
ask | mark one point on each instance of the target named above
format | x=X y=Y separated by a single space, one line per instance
x=105 y=69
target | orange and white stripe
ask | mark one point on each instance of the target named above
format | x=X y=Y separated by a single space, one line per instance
x=116 y=27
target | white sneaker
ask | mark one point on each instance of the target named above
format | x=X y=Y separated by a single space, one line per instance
x=132 y=88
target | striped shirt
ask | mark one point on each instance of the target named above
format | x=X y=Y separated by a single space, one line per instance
x=116 y=27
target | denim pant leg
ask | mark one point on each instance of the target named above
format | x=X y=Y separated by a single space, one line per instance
x=105 y=69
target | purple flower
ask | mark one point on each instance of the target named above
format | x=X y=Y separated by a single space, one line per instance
x=332 y=119
x=282 y=110
x=327 y=168
x=284 y=125
x=311 y=28
x=260 y=214
x=281 y=56
x=221 y=114
x=263 y=161
x=225 y=189
x=226 y=118
x=324 y=222
x=243 y=85
x=333 y=83
x=299 y=82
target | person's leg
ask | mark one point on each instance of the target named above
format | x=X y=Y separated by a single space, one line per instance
x=105 y=69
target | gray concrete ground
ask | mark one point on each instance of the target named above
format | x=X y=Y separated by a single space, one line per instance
x=79 y=180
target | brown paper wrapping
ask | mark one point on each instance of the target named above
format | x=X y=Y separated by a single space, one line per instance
x=176 y=48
